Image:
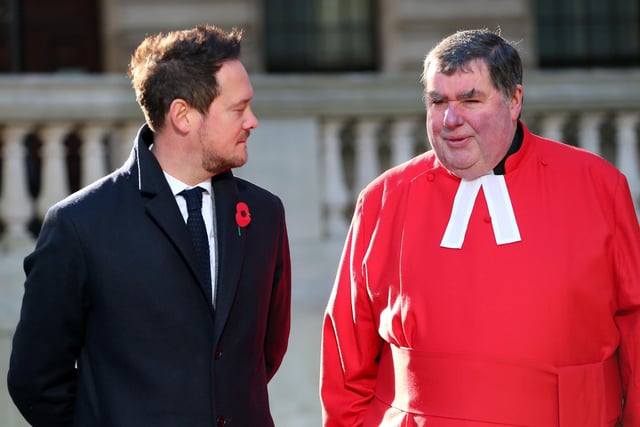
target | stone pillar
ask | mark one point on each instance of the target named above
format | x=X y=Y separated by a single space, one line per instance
x=16 y=208
x=589 y=132
x=367 y=164
x=402 y=142
x=552 y=126
x=125 y=141
x=336 y=195
x=627 y=158
x=92 y=154
x=54 y=184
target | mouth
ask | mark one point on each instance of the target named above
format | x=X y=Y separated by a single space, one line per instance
x=243 y=138
x=456 y=142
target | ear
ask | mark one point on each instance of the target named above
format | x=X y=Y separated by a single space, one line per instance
x=516 y=102
x=178 y=115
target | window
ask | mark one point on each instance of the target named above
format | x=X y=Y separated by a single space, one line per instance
x=320 y=35
x=588 y=33
x=49 y=36
x=9 y=47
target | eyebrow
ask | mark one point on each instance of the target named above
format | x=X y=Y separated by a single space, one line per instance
x=468 y=94
x=436 y=96
x=240 y=103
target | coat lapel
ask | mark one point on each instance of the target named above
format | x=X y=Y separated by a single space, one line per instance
x=230 y=247
x=161 y=204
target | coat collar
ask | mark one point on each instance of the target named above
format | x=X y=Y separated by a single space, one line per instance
x=160 y=203
x=162 y=208
x=230 y=245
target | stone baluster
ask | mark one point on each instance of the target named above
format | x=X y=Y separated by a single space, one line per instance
x=366 y=152
x=92 y=153
x=589 y=132
x=16 y=206
x=552 y=125
x=54 y=183
x=336 y=195
x=402 y=143
x=126 y=136
x=627 y=157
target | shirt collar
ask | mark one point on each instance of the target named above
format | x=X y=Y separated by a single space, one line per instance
x=515 y=146
x=177 y=186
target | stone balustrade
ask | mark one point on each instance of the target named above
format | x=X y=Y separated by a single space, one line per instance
x=356 y=126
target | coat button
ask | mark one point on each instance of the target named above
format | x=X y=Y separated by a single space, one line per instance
x=218 y=353
x=220 y=421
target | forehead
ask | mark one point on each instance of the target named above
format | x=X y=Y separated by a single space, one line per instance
x=474 y=73
x=233 y=80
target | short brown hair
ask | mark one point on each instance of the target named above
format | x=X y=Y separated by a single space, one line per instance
x=180 y=65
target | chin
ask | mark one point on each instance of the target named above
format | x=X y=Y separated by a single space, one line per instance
x=240 y=161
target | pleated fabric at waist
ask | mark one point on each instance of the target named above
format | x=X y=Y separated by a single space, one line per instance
x=468 y=387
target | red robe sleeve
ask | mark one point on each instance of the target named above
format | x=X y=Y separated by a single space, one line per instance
x=627 y=260
x=351 y=343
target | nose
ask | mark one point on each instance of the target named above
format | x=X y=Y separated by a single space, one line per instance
x=252 y=121
x=452 y=116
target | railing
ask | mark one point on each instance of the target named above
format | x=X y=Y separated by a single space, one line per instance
x=59 y=133
x=373 y=144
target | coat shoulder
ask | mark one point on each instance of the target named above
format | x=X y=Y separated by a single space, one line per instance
x=569 y=156
x=400 y=176
x=249 y=190
x=96 y=194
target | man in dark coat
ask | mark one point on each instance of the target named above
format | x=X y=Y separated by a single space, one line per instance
x=123 y=323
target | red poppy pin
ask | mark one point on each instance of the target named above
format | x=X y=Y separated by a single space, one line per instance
x=243 y=217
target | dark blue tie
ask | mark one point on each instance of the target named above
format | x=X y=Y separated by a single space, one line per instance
x=195 y=224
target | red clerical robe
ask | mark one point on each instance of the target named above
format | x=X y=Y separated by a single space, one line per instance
x=541 y=332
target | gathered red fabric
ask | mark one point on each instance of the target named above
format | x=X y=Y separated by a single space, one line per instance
x=497 y=391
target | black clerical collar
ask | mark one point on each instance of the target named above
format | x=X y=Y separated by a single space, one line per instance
x=515 y=146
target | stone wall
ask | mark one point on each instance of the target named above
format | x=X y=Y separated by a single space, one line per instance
x=407 y=28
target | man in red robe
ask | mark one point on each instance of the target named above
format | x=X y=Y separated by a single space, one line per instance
x=492 y=281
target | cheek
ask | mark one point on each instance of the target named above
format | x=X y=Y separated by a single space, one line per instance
x=484 y=122
x=434 y=127
x=481 y=124
x=434 y=123
x=215 y=130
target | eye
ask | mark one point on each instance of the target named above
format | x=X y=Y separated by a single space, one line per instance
x=240 y=108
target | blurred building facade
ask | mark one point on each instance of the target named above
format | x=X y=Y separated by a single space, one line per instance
x=382 y=36
x=337 y=93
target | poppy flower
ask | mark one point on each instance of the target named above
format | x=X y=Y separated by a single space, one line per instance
x=243 y=217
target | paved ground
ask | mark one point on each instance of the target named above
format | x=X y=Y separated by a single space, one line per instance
x=294 y=390
x=295 y=400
